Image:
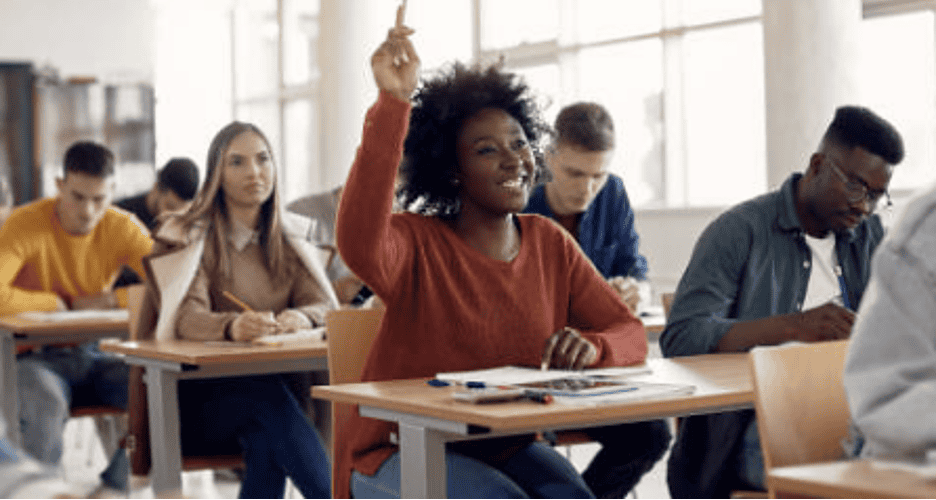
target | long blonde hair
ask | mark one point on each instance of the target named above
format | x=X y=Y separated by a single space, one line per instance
x=210 y=206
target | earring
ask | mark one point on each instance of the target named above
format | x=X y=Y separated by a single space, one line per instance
x=454 y=181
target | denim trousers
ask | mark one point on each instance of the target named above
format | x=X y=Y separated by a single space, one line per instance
x=628 y=451
x=52 y=380
x=750 y=467
x=260 y=417
x=536 y=471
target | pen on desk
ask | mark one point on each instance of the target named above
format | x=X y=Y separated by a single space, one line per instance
x=538 y=396
x=240 y=303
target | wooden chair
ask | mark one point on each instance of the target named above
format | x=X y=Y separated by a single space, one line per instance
x=140 y=446
x=350 y=333
x=802 y=413
x=667 y=300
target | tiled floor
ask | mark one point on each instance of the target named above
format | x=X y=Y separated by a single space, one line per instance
x=84 y=458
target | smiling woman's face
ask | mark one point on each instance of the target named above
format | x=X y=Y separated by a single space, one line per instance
x=495 y=163
x=248 y=175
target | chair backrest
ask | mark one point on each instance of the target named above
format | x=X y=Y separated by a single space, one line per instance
x=350 y=333
x=802 y=413
x=135 y=295
x=667 y=300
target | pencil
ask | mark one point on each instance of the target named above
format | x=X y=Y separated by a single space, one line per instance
x=240 y=303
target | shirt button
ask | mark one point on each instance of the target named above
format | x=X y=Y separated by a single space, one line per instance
x=805 y=264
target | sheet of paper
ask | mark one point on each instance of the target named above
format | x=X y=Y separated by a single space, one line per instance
x=512 y=375
x=922 y=469
x=639 y=391
x=297 y=336
x=83 y=315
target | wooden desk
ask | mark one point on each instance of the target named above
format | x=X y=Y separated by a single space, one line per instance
x=166 y=363
x=429 y=418
x=848 y=479
x=16 y=331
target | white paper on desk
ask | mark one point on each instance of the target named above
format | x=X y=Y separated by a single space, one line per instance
x=513 y=375
x=303 y=335
x=639 y=391
x=81 y=315
x=922 y=469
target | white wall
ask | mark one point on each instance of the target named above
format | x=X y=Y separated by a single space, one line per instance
x=666 y=240
x=113 y=40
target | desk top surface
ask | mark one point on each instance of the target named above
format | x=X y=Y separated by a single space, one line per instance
x=31 y=327
x=850 y=479
x=722 y=382
x=196 y=352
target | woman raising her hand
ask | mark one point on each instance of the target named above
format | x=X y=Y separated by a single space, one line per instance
x=468 y=282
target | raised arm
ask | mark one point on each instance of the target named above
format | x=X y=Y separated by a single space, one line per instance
x=368 y=243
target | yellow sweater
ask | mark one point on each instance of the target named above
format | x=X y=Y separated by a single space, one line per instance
x=39 y=261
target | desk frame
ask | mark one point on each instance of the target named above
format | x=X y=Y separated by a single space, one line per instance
x=15 y=332
x=162 y=378
x=424 y=430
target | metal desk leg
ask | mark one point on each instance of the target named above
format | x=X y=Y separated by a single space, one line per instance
x=422 y=462
x=8 y=393
x=165 y=445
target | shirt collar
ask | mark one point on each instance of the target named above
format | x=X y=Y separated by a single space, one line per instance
x=239 y=236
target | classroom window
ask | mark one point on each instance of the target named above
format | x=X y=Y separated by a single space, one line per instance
x=276 y=77
x=683 y=80
x=897 y=80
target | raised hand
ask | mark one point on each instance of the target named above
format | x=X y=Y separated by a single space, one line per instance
x=395 y=64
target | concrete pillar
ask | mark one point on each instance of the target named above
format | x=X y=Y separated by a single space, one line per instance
x=811 y=67
x=347 y=88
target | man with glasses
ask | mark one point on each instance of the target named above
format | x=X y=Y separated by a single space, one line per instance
x=788 y=265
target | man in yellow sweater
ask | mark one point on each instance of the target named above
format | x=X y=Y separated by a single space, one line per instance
x=63 y=253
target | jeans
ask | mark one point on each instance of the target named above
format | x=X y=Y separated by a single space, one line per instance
x=751 y=459
x=628 y=451
x=536 y=471
x=53 y=380
x=260 y=417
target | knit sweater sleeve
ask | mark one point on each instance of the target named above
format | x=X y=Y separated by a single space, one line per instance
x=370 y=244
x=598 y=312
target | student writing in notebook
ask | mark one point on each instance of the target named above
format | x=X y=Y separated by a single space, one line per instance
x=788 y=265
x=468 y=282
x=235 y=238
x=63 y=253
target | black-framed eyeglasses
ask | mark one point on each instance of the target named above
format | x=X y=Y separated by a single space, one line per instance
x=856 y=190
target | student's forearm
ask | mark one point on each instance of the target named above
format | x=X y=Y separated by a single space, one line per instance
x=765 y=331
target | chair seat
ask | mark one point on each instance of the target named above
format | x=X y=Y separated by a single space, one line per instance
x=201 y=462
x=93 y=410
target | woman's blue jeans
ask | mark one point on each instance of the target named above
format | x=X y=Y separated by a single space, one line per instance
x=260 y=414
x=536 y=471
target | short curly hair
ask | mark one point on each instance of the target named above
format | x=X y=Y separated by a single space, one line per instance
x=440 y=108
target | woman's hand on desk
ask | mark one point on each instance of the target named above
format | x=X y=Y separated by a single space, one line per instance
x=568 y=349
x=290 y=320
x=252 y=324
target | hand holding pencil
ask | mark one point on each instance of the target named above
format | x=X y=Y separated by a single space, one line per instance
x=250 y=324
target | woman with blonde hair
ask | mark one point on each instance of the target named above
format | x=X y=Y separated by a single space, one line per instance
x=236 y=241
